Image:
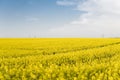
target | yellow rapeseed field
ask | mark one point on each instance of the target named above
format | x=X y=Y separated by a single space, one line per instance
x=60 y=59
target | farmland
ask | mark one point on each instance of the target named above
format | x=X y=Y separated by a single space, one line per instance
x=59 y=59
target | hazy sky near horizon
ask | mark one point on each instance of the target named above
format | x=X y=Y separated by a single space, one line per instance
x=59 y=18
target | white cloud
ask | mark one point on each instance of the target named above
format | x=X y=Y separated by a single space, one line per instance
x=31 y=19
x=101 y=17
x=66 y=2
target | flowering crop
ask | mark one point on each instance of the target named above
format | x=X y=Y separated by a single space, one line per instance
x=59 y=59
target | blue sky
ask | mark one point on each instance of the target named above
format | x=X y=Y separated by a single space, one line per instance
x=59 y=18
x=22 y=18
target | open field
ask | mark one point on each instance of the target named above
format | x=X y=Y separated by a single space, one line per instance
x=60 y=59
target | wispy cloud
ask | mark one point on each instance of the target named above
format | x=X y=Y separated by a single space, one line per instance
x=100 y=17
x=31 y=19
x=65 y=2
